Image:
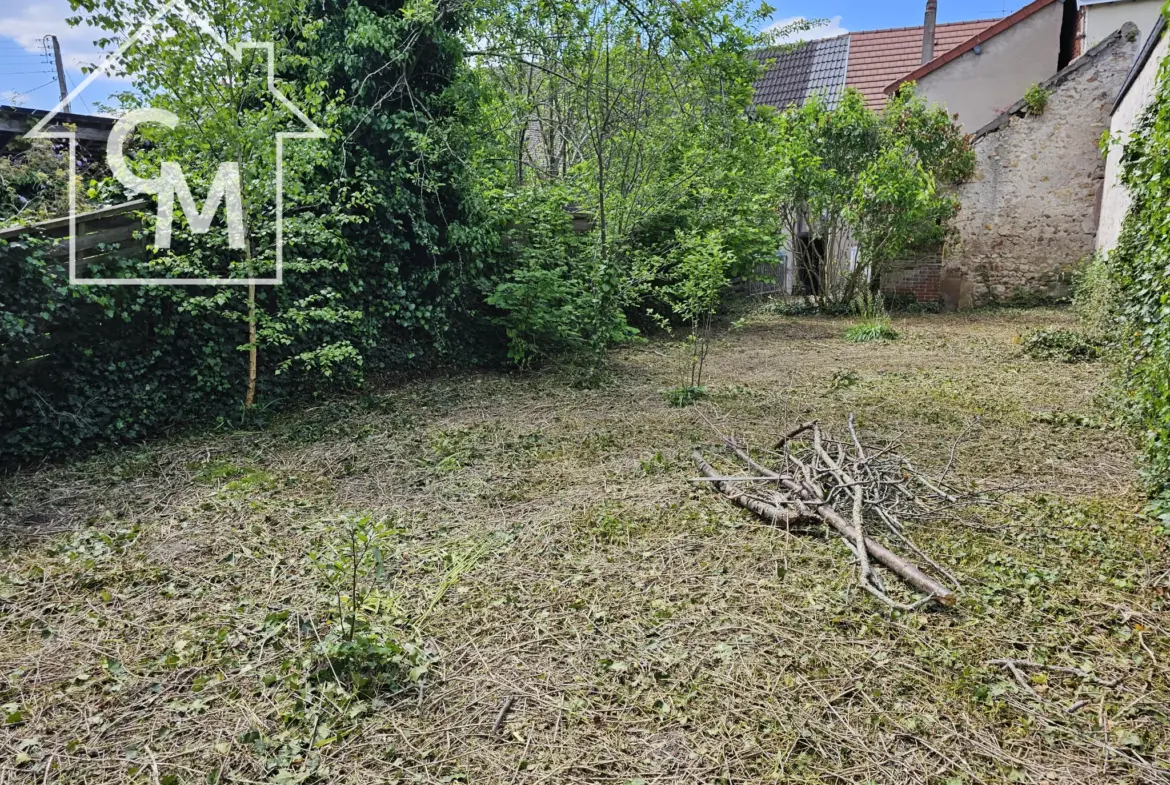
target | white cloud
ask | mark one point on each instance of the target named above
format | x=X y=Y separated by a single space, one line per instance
x=12 y=98
x=30 y=23
x=829 y=29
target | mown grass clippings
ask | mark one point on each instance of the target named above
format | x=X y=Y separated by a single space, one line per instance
x=544 y=544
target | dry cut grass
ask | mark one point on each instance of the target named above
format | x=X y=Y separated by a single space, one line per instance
x=584 y=612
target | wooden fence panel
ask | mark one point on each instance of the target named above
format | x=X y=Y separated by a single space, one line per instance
x=97 y=231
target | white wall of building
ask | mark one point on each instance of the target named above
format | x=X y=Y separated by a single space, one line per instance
x=978 y=87
x=1115 y=199
x=1101 y=19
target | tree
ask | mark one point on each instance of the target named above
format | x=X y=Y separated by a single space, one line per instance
x=855 y=179
x=227 y=122
x=629 y=108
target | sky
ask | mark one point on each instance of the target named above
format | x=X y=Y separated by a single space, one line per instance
x=28 y=77
x=855 y=15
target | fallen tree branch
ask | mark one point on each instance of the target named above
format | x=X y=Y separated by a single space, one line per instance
x=807 y=497
x=766 y=511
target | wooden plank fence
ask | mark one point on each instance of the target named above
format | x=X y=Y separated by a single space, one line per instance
x=97 y=232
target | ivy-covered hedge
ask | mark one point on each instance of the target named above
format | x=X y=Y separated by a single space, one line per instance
x=385 y=249
x=84 y=366
x=1140 y=268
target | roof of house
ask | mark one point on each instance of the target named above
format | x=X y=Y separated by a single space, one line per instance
x=966 y=46
x=793 y=73
x=1139 y=65
x=879 y=57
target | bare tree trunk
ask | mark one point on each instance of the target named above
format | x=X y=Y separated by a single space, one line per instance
x=250 y=398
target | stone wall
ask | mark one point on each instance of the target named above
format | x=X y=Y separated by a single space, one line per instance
x=1029 y=216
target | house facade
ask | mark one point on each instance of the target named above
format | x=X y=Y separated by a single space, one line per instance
x=1031 y=212
x=1136 y=93
x=1097 y=19
x=984 y=75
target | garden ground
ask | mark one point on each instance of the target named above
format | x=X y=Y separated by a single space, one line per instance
x=585 y=612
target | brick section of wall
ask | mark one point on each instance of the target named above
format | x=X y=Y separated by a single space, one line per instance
x=1030 y=213
x=919 y=276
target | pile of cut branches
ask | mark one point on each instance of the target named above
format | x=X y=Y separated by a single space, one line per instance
x=854 y=490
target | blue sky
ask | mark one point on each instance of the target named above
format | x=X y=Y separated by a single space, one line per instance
x=856 y=15
x=27 y=77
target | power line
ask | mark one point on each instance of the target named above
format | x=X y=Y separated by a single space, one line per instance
x=73 y=86
x=38 y=87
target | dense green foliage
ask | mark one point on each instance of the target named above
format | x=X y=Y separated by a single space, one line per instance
x=514 y=181
x=636 y=117
x=379 y=260
x=1140 y=271
x=850 y=175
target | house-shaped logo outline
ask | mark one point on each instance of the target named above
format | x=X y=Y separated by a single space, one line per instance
x=39 y=132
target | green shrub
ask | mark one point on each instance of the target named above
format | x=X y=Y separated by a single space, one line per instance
x=1095 y=299
x=1069 y=346
x=556 y=296
x=876 y=330
x=362 y=647
x=1140 y=278
x=1036 y=99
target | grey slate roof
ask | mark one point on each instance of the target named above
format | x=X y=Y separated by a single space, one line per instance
x=792 y=74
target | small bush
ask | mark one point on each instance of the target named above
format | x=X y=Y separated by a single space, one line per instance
x=874 y=330
x=684 y=396
x=1095 y=299
x=1036 y=99
x=1069 y=346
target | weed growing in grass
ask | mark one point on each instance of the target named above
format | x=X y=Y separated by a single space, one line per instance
x=871 y=331
x=875 y=325
x=684 y=396
x=843 y=380
x=655 y=464
x=361 y=648
x=1070 y=346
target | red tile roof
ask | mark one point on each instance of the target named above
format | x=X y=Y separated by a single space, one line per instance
x=942 y=58
x=879 y=57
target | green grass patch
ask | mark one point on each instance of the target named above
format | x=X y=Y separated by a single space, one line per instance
x=871 y=331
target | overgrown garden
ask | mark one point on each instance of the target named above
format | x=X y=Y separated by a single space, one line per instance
x=502 y=183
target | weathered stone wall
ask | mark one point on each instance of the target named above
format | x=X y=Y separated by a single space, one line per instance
x=1030 y=213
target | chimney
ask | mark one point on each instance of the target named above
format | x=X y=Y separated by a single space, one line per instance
x=928 y=30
